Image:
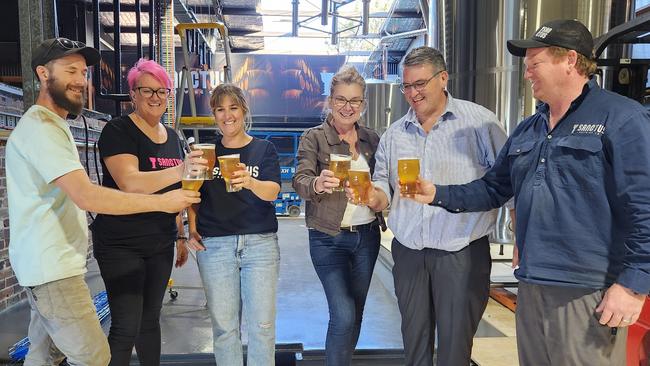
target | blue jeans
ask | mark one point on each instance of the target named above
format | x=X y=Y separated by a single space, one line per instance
x=344 y=264
x=241 y=270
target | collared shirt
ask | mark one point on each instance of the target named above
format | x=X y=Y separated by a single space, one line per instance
x=582 y=193
x=460 y=147
x=49 y=233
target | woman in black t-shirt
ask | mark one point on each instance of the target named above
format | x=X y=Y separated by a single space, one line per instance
x=235 y=237
x=135 y=252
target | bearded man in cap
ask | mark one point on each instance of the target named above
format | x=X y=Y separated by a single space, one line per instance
x=48 y=190
x=579 y=170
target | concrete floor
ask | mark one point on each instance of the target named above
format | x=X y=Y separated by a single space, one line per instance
x=302 y=309
x=302 y=313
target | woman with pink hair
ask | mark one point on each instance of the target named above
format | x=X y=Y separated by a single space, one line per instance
x=135 y=253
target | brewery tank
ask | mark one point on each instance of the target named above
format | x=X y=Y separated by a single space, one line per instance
x=385 y=104
x=473 y=40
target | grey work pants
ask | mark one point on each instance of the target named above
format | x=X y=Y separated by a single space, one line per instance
x=64 y=324
x=558 y=326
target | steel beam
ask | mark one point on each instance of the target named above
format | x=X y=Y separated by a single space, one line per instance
x=323 y=12
x=365 y=17
x=294 y=18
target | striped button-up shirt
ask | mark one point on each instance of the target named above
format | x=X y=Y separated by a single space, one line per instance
x=460 y=147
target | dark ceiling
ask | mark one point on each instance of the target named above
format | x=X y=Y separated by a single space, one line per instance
x=242 y=18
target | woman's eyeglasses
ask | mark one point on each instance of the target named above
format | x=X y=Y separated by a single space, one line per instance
x=149 y=92
x=340 y=102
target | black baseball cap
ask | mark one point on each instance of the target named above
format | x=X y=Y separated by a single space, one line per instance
x=53 y=48
x=566 y=33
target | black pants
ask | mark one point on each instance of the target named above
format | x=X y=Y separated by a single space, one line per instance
x=447 y=290
x=135 y=275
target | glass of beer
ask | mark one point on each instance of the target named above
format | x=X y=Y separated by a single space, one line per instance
x=193 y=177
x=340 y=164
x=227 y=166
x=408 y=170
x=359 y=181
x=208 y=154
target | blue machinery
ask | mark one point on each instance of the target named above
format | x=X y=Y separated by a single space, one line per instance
x=286 y=143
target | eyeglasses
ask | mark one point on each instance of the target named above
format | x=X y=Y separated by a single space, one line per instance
x=340 y=102
x=149 y=92
x=418 y=85
x=66 y=43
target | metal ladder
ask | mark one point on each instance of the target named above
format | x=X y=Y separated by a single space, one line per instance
x=182 y=29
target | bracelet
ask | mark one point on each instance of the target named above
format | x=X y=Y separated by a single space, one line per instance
x=181 y=237
x=314 y=187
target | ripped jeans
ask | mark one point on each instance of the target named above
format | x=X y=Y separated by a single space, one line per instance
x=241 y=270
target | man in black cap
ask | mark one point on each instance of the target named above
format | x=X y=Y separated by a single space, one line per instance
x=579 y=170
x=47 y=189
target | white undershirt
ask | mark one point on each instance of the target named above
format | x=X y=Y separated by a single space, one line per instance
x=357 y=215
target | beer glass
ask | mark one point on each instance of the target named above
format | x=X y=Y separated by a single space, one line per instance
x=208 y=154
x=193 y=177
x=359 y=181
x=340 y=164
x=227 y=166
x=408 y=170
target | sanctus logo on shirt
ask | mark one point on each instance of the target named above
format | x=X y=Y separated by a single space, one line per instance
x=253 y=170
x=588 y=129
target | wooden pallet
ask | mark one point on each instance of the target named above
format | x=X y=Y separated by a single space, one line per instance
x=504 y=297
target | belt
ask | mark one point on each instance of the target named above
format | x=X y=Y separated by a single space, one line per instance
x=356 y=228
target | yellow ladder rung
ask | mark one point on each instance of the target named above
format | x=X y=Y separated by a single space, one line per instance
x=214 y=25
x=201 y=120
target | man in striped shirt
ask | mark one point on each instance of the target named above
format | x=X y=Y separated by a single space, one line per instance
x=442 y=260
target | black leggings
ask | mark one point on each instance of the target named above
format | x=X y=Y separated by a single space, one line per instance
x=135 y=275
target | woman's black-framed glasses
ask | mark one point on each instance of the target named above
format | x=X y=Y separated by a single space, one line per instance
x=149 y=92
x=418 y=85
x=340 y=102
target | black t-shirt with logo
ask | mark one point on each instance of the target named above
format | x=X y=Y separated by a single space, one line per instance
x=222 y=213
x=122 y=136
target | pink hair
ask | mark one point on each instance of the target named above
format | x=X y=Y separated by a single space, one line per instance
x=144 y=66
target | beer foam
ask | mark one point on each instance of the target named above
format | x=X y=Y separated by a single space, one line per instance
x=230 y=156
x=364 y=170
x=409 y=158
x=204 y=146
x=337 y=157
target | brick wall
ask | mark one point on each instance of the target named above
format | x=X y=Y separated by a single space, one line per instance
x=10 y=291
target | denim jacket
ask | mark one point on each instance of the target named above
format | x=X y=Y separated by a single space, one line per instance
x=324 y=212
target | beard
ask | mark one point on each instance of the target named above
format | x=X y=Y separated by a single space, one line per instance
x=58 y=93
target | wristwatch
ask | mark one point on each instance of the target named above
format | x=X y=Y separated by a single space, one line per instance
x=181 y=237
